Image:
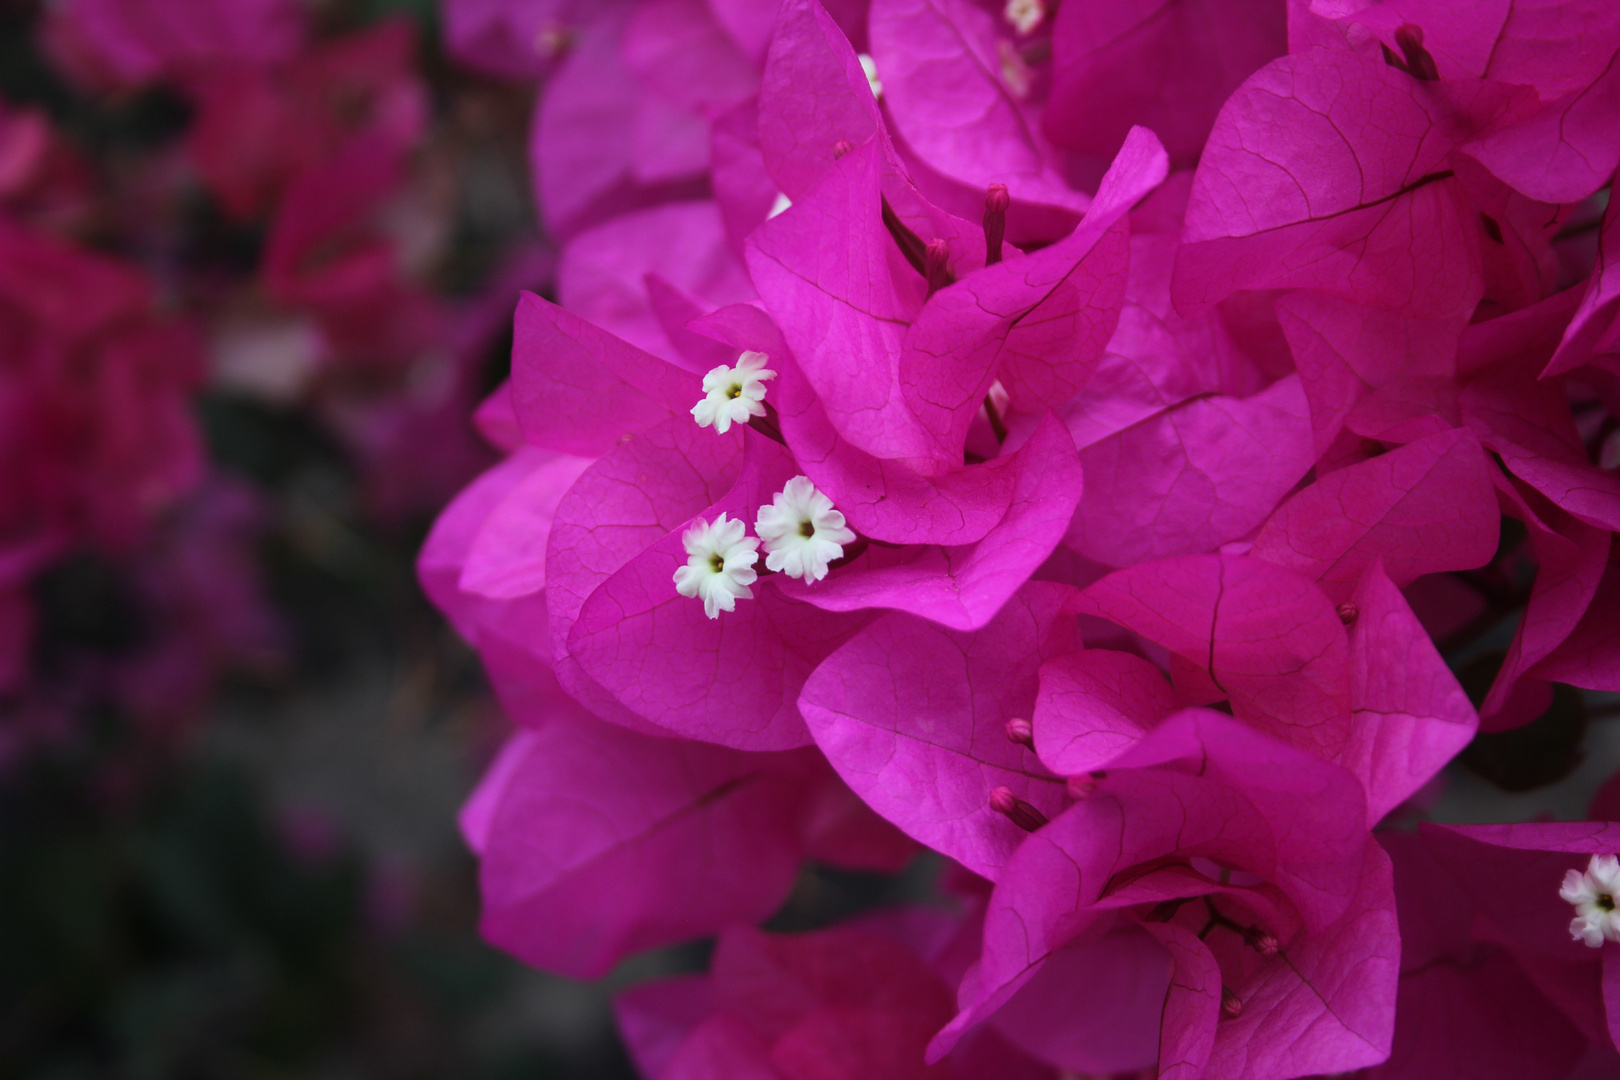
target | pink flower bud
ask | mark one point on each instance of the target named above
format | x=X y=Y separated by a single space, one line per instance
x=996 y=202
x=1021 y=731
x=1019 y=812
x=935 y=257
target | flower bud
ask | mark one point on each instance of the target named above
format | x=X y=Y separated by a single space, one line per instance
x=935 y=257
x=1021 y=731
x=996 y=202
x=1019 y=812
x=1081 y=788
x=1419 y=61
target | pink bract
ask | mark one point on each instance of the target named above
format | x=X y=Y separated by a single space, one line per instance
x=1175 y=366
x=1126 y=860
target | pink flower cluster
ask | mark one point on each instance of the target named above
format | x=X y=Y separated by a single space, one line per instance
x=321 y=141
x=1169 y=368
x=309 y=150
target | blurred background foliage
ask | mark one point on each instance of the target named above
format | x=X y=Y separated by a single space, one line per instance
x=276 y=890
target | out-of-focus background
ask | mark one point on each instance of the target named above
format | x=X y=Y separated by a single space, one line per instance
x=233 y=736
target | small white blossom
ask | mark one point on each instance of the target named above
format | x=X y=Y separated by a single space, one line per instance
x=781 y=206
x=719 y=564
x=1014 y=71
x=1024 y=15
x=733 y=394
x=1594 y=895
x=869 y=66
x=802 y=531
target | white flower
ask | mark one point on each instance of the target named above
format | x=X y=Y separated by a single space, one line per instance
x=1024 y=15
x=1594 y=895
x=733 y=394
x=1014 y=71
x=719 y=565
x=869 y=66
x=802 y=531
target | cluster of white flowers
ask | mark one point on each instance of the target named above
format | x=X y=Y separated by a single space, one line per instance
x=803 y=534
x=802 y=531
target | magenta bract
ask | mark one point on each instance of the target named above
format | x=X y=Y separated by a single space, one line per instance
x=1174 y=367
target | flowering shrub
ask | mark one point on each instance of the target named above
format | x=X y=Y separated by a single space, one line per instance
x=1075 y=440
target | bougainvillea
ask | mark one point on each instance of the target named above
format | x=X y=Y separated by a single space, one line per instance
x=1079 y=441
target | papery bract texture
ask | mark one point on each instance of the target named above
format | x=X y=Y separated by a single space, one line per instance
x=1094 y=705
x=913 y=717
x=858 y=999
x=1328 y=170
x=1317 y=883
x=1425 y=507
x=1410 y=717
x=602 y=842
x=1241 y=629
x=1165 y=65
x=1465 y=1007
x=944 y=82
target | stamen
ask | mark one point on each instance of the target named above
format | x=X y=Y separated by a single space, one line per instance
x=997 y=424
x=996 y=201
x=935 y=257
x=911 y=245
x=1418 y=62
x=1261 y=942
x=769 y=425
x=1019 y=812
x=1081 y=788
